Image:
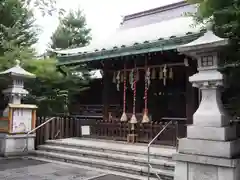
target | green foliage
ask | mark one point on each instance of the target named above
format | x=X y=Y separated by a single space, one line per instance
x=17 y=32
x=46 y=7
x=225 y=16
x=53 y=91
x=17 y=24
x=71 y=32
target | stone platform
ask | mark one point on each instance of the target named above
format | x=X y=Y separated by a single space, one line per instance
x=129 y=159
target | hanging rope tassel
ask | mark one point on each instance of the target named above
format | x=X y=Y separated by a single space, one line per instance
x=171 y=73
x=124 y=115
x=186 y=62
x=161 y=73
x=137 y=76
x=131 y=78
x=122 y=77
x=133 y=118
x=118 y=80
x=114 y=77
x=147 y=84
x=153 y=75
x=165 y=75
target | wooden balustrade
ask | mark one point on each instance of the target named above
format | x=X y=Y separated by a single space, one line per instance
x=66 y=127
x=60 y=127
x=115 y=130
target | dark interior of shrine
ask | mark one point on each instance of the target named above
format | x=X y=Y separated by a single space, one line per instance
x=167 y=97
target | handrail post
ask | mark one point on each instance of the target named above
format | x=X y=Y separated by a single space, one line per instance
x=148 y=162
x=33 y=130
x=149 y=145
x=176 y=127
x=26 y=145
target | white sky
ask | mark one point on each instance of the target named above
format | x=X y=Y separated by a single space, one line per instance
x=103 y=16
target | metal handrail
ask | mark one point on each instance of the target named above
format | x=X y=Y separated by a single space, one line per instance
x=33 y=130
x=149 y=145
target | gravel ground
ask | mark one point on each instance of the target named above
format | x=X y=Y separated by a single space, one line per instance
x=27 y=169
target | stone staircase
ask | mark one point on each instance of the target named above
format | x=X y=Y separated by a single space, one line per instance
x=110 y=155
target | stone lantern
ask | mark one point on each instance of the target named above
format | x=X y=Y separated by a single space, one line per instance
x=17 y=118
x=210 y=149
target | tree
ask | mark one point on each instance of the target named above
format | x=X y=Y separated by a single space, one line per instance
x=71 y=32
x=17 y=31
x=53 y=91
x=225 y=16
x=46 y=7
x=17 y=23
x=17 y=34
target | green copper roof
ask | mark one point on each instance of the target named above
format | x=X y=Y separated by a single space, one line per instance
x=161 y=36
x=159 y=45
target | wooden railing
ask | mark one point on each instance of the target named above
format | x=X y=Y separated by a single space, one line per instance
x=66 y=127
x=115 y=130
x=60 y=127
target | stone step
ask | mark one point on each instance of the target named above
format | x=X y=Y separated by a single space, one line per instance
x=108 y=147
x=103 y=171
x=130 y=159
x=106 y=164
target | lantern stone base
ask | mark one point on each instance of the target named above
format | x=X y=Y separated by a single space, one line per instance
x=222 y=149
x=208 y=153
x=226 y=133
x=13 y=145
x=197 y=167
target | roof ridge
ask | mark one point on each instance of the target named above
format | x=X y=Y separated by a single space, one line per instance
x=155 y=10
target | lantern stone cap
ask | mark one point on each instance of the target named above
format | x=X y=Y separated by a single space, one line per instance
x=17 y=70
x=208 y=41
x=23 y=106
x=206 y=76
x=15 y=90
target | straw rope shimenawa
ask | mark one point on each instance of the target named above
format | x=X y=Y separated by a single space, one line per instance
x=133 y=118
x=147 y=83
x=124 y=115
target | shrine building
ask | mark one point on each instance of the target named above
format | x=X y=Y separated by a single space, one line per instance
x=144 y=82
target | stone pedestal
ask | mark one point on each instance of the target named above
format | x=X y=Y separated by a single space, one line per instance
x=208 y=153
x=211 y=149
x=13 y=145
x=196 y=167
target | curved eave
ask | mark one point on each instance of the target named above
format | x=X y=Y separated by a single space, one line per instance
x=156 y=46
x=208 y=41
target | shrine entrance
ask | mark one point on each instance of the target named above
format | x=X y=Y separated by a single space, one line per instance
x=152 y=87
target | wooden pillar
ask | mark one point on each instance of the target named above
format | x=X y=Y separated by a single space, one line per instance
x=106 y=92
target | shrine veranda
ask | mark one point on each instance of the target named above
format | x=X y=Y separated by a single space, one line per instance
x=144 y=83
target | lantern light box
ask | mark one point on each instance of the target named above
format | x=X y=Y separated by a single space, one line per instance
x=20 y=119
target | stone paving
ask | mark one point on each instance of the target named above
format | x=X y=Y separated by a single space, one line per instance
x=111 y=177
x=26 y=169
